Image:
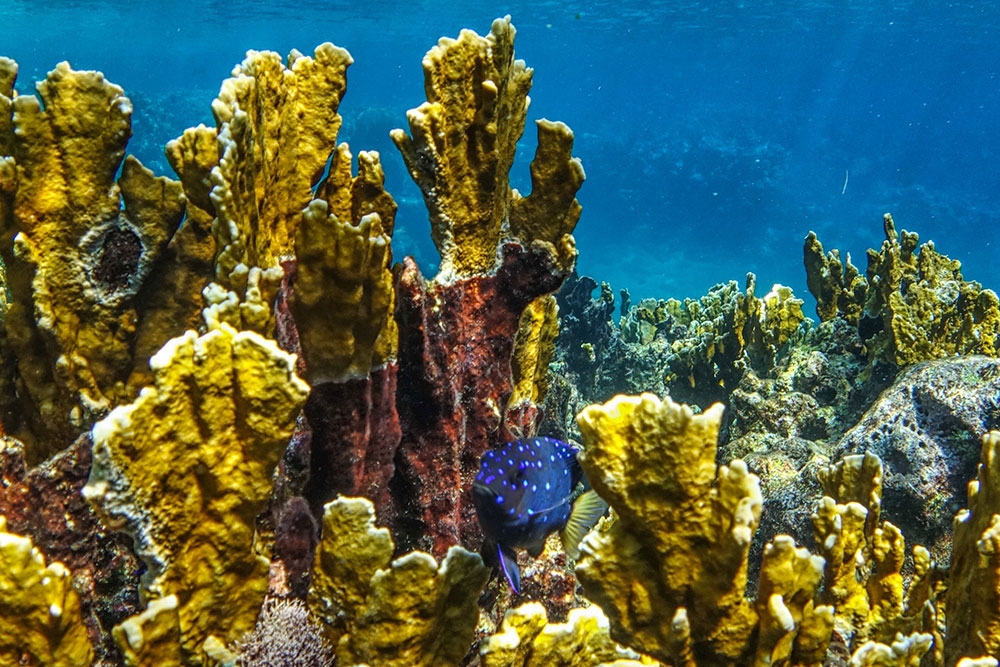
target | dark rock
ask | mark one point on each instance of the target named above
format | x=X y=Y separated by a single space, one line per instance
x=927 y=428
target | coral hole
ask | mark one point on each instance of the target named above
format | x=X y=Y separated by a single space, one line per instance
x=119 y=258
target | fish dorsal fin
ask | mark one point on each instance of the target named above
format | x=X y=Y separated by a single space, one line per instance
x=587 y=511
x=511 y=572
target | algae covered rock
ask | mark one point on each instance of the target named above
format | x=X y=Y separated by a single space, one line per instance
x=926 y=428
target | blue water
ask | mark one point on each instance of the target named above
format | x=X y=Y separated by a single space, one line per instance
x=714 y=135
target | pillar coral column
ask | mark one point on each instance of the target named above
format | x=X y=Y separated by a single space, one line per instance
x=499 y=253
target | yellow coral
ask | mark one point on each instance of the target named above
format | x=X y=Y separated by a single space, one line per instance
x=927 y=309
x=864 y=557
x=344 y=296
x=527 y=639
x=904 y=651
x=277 y=127
x=151 y=638
x=781 y=314
x=838 y=289
x=79 y=257
x=534 y=347
x=787 y=585
x=973 y=603
x=39 y=610
x=410 y=611
x=186 y=469
x=670 y=572
x=463 y=145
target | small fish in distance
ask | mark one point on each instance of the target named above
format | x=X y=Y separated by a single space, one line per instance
x=527 y=490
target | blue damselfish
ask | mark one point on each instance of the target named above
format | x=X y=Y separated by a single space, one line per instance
x=525 y=491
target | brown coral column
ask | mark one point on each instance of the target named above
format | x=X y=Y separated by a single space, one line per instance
x=456 y=343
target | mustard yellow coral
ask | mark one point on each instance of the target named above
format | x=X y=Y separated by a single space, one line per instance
x=463 y=143
x=394 y=613
x=85 y=244
x=973 y=602
x=527 y=639
x=671 y=570
x=277 y=127
x=534 y=347
x=39 y=610
x=344 y=296
x=186 y=469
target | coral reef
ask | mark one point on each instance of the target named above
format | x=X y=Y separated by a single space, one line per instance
x=707 y=344
x=670 y=566
x=913 y=303
x=159 y=334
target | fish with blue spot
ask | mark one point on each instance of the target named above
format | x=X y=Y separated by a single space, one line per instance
x=525 y=491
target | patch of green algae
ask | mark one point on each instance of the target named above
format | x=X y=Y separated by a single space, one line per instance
x=186 y=469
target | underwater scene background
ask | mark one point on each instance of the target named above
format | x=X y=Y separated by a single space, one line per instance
x=267 y=399
x=714 y=134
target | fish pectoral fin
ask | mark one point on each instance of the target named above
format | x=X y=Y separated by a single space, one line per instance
x=587 y=511
x=511 y=572
x=535 y=550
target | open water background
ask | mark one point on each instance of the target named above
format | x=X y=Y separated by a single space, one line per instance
x=714 y=135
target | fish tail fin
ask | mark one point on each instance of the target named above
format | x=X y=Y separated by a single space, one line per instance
x=587 y=511
x=511 y=572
